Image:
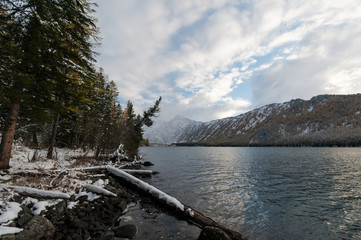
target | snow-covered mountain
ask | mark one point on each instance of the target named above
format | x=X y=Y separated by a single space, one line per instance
x=168 y=132
x=322 y=120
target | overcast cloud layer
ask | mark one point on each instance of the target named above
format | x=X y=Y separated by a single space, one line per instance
x=218 y=58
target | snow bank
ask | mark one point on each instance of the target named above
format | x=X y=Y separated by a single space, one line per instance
x=9 y=230
x=145 y=186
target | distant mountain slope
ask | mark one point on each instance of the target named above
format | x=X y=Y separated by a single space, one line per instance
x=322 y=120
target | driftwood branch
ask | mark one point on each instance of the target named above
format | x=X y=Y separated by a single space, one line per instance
x=57 y=179
x=102 y=191
x=173 y=204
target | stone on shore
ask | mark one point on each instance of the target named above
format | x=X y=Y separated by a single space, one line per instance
x=125 y=231
x=38 y=227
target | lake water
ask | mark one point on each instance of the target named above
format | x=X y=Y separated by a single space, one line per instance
x=266 y=193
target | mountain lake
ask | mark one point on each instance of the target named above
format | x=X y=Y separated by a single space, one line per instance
x=263 y=193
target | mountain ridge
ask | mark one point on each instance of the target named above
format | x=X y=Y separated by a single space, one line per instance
x=324 y=120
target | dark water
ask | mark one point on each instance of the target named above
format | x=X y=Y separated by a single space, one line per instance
x=266 y=193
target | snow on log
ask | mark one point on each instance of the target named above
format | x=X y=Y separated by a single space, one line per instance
x=146 y=187
x=173 y=204
x=99 y=190
x=33 y=192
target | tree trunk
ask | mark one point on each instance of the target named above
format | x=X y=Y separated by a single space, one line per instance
x=8 y=135
x=53 y=136
x=97 y=152
x=35 y=139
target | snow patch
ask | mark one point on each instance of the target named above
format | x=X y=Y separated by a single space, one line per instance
x=306 y=130
x=5 y=178
x=9 y=230
x=71 y=205
x=91 y=196
x=39 y=206
x=10 y=212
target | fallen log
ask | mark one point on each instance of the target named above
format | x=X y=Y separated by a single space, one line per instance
x=173 y=204
x=37 y=193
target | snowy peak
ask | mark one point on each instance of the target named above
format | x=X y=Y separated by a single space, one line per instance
x=167 y=132
x=180 y=118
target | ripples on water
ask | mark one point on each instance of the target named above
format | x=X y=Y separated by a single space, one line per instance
x=267 y=193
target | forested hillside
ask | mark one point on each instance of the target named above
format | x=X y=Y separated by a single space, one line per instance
x=51 y=91
x=325 y=120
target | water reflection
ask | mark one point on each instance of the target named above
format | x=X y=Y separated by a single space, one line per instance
x=268 y=193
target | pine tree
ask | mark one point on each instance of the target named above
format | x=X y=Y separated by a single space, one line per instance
x=46 y=60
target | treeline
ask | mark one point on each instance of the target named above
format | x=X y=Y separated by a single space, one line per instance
x=338 y=137
x=51 y=92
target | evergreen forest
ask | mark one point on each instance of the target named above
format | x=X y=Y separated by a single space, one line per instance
x=52 y=93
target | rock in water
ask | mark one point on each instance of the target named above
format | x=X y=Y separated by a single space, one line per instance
x=125 y=231
x=147 y=164
x=38 y=227
x=213 y=233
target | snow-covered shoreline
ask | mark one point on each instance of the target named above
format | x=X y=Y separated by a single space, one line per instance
x=39 y=185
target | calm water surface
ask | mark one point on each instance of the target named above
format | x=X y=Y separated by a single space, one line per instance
x=267 y=193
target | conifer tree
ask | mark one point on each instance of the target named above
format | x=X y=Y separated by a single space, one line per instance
x=46 y=60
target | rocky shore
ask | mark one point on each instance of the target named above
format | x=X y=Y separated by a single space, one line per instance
x=96 y=219
x=101 y=218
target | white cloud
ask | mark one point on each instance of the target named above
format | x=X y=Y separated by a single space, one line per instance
x=196 y=53
x=328 y=62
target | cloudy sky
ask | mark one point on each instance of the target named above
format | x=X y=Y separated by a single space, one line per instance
x=210 y=59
